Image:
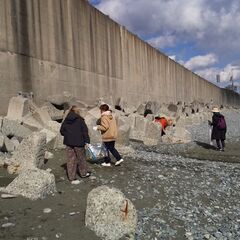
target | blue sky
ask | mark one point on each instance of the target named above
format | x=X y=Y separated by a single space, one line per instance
x=202 y=35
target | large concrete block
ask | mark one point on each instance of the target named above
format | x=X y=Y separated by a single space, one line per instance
x=1 y=141
x=42 y=115
x=53 y=112
x=137 y=132
x=152 y=134
x=91 y=121
x=14 y=128
x=30 y=122
x=8 y=145
x=33 y=184
x=1 y=121
x=60 y=99
x=110 y=214
x=18 y=107
x=29 y=154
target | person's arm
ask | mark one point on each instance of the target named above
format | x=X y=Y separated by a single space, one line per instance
x=63 y=128
x=104 y=124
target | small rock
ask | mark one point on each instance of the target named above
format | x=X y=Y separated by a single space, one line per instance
x=47 y=210
x=6 y=196
x=5 y=225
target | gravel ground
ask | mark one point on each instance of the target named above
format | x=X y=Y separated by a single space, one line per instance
x=181 y=191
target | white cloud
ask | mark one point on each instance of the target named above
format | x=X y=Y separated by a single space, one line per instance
x=173 y=57
x=213 y=25
x=162 y=41
x=225 y=73
x=201 y=61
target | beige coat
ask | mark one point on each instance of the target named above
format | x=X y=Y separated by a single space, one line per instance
x=108 y=127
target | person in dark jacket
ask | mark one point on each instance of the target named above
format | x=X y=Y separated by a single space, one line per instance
x=218 y=134
x=76 y=138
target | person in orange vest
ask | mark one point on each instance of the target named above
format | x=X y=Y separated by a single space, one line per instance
x=164 y=122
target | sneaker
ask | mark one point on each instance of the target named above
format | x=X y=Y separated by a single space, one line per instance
x=106 y=164
x=118 y=162
x=75 y=182
x=88 y=174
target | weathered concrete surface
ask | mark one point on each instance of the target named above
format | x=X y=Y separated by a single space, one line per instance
x=33 y=184
x=110 y=214
x=50 y=47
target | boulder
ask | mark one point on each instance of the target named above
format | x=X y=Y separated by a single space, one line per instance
x=110 y=214
x=33 y=184
x=29 y=154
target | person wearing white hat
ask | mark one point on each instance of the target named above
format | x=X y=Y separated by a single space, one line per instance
x=219 y=128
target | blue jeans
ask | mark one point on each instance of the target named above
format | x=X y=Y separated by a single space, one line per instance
x=110 y=146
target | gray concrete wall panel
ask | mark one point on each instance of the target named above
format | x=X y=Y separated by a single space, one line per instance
x=51 y=46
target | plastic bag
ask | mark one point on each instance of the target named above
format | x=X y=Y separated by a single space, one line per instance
x=96 y=151
x=210 y=135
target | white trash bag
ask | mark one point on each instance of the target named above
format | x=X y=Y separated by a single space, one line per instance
x=96 y=151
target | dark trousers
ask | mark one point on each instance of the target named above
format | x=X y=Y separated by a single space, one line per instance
x=220 y=143
x=76 y=161
x=110 y=146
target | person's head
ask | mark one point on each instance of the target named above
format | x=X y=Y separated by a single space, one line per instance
x=215 y=110
x=104 y=108
x=147 y=111
x=75 y=109
x=169 y=122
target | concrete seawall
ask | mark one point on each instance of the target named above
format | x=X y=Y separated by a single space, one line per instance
x=51 y=46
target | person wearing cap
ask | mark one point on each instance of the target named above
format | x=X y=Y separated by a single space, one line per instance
x=218 y=133
x=76 y=138
x=108 y=127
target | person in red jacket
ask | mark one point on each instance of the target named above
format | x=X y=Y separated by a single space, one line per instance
x=164 y=122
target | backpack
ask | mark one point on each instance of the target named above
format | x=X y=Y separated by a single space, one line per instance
x=221 y=125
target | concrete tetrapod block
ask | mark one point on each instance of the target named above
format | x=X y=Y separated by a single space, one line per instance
x=1 y=121
x=152 y=134
x=95 y=136
x=137 y=132
x=30 y=122
x=29 y=154
x=33 y=184
x=110 y=214
x=8 y=145
x=17 y=108
x=54 y=113
x=1 y=141
x=14 y=128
